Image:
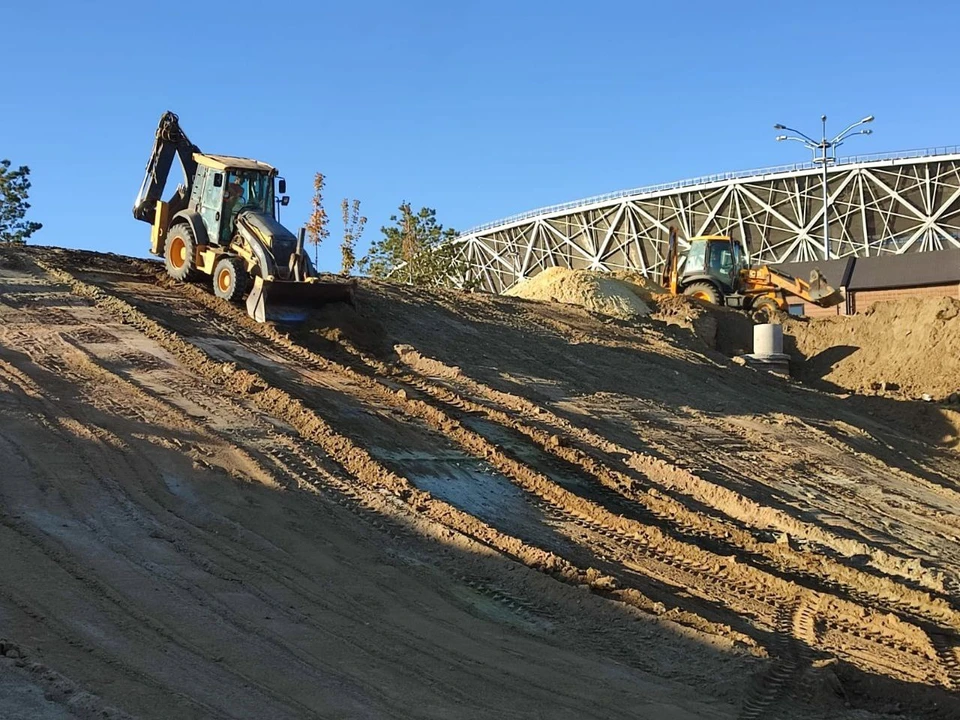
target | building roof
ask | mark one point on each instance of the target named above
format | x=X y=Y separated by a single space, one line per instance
x=229 y=162
x=941 y=267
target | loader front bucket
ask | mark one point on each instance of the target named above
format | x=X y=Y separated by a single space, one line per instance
x=290 y=302
x=821 y=293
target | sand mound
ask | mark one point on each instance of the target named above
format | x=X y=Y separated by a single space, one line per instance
x=641 y=285
x=909 y=346
x=594 y=291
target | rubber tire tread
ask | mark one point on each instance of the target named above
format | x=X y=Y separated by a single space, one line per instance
x=765 y=310
x=189 y=269
x=239 y=274
x=706 y=288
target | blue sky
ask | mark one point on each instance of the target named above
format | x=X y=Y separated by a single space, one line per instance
x=478 y=110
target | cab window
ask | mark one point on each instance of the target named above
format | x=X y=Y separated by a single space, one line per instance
x=696 y=257
x=721 y=259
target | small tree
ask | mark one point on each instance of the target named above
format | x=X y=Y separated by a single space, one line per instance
x=14 y=190
x=416 y=250
x=318 y=224
x=353 y=224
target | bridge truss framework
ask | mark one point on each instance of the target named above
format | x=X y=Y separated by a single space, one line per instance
x=895 y=203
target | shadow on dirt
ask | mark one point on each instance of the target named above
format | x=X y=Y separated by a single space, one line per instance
x=663 y=375
x=818 y=366
x=475 y=590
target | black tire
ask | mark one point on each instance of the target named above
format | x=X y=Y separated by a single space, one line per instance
x=180 y=253
x=230 y=279
x=765 y=310
x=703 y=291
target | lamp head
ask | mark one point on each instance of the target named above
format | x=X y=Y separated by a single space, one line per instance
x=868 y=118
x=781 y=137
x=778 y=126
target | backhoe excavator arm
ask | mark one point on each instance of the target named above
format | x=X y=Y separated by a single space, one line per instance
x=669 y=278
x=816 y=291
x=170 y=141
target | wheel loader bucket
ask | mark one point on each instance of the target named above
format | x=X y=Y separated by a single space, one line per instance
x=821 y=293
x=290 y=302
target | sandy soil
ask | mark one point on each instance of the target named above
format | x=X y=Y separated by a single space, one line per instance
x=595 y=291
x=442 y=505
x=920 y=340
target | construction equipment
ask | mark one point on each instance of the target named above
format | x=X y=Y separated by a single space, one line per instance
x=222 y=223
x=715 y=269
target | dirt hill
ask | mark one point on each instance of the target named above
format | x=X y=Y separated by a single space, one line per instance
x=436 y=504
x=591 y=290
x=910 y=347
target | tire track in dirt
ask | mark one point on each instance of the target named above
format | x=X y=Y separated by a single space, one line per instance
x=204 y=564
x=442 y=424
x=67 y=429
x=358 y=463
x=915 y=606
x=948 y=648
x=503 y=407
x=546 y=489
x=284 y=465
x=796 y=636
x=56 y=688
x=500 y=596
x=291 y=460
x=919 y=509
x=826 y=573
x=817 y=493
x=881 y=640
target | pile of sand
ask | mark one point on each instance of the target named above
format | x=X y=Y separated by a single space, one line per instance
x=644 y=287
x=595 y=291
x=626 y=295
x=909 y=347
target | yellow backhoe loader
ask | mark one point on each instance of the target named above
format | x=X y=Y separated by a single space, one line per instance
x=714 y=269
x=223 y=224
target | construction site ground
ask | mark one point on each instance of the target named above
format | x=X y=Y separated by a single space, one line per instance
x=454 y=505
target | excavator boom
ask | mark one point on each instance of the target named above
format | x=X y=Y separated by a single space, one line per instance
x=668 y=277
x=170 y=142
x=817 y=290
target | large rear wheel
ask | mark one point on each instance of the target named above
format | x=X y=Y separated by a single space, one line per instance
x=230 y=279
x=180 y=254
x=765 y=310
x=703 y=291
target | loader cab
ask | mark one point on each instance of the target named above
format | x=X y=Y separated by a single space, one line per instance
x=714 y=258
x=225 y=186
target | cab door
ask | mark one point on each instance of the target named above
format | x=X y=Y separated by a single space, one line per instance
x=211 y=204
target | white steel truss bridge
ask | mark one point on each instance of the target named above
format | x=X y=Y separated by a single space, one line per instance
x=892 y=203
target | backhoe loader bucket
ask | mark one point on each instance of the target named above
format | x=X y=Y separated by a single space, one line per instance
x=290 y=302
x=821 y=293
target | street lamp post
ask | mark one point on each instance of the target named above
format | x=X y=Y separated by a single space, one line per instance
x=824 y=145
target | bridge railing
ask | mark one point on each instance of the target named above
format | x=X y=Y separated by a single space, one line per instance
x=759 y=173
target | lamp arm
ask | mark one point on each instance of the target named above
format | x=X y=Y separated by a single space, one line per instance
x=842 y=135
x=806 y=137
x=808 y=143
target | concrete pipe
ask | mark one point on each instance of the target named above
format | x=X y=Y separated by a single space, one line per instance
x=767 y=340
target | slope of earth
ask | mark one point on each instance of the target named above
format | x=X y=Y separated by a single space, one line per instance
x=919 y=338
x=445 y=505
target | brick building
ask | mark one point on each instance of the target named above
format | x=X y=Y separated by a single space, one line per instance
x=864 y=281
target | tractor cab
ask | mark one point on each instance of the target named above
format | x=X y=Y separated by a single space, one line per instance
x=714 y=259
x=225 y=186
